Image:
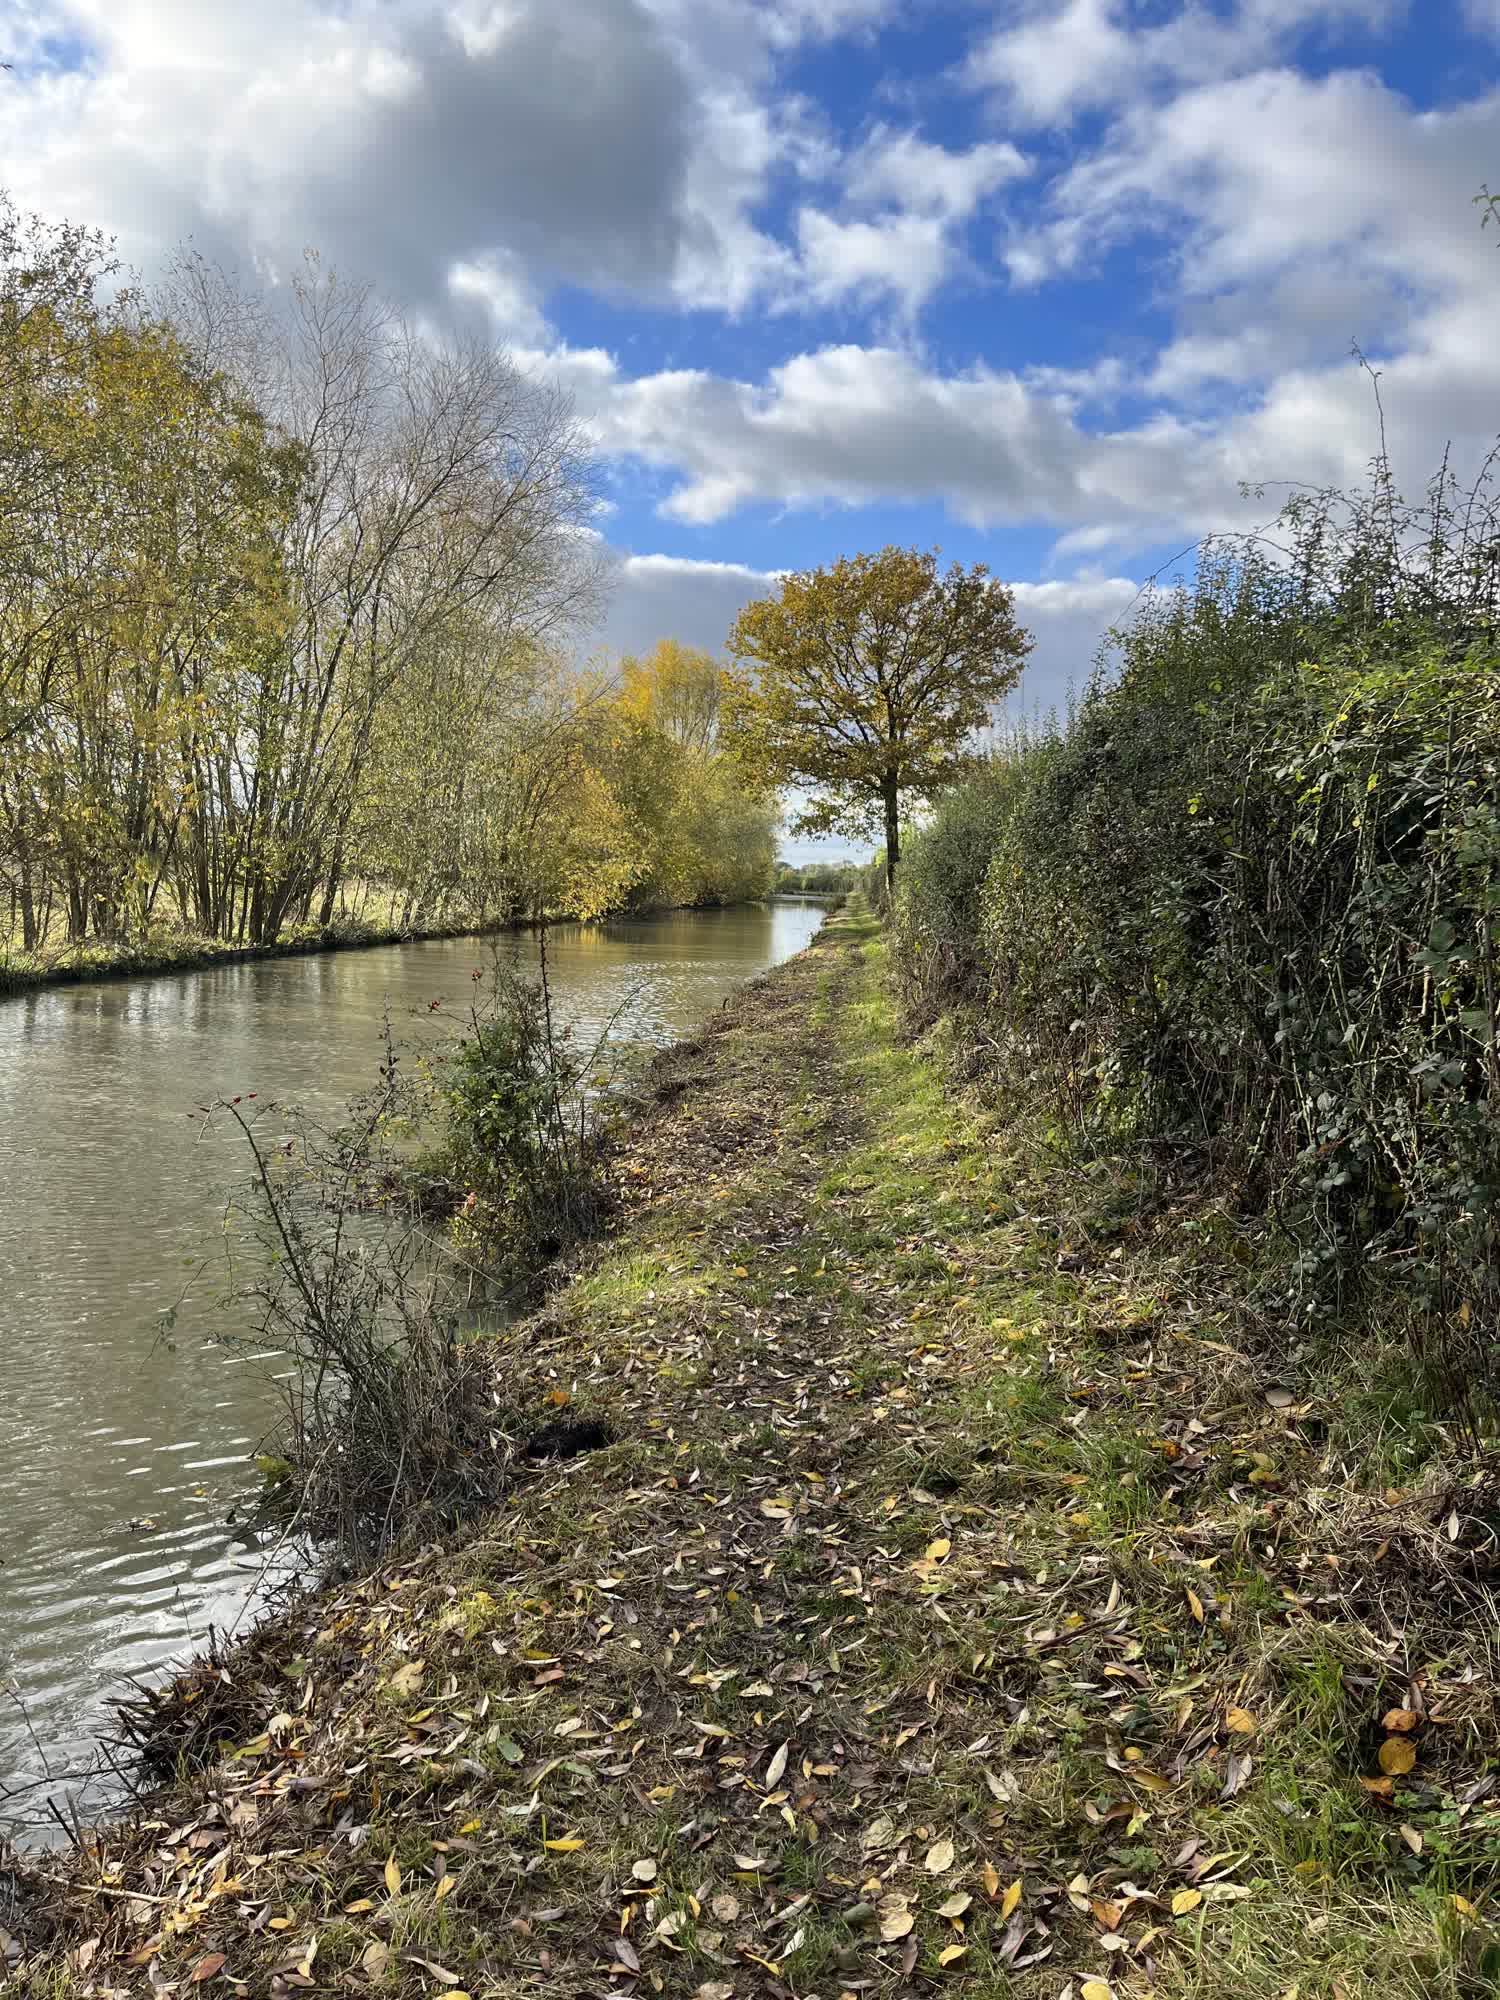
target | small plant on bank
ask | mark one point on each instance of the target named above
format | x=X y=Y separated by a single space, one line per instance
x=450 y=1184
x=521 y=1116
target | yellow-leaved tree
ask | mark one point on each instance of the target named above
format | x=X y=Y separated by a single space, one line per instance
x=862 y=681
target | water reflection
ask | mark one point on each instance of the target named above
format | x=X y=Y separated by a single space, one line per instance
x=125 y=1451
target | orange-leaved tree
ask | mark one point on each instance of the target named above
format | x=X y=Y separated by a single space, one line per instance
x=862 y=682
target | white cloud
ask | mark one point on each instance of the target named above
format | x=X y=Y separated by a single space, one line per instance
x=906 y=171
x=1048 y=61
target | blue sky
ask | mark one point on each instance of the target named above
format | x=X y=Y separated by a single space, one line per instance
x=1037 y=280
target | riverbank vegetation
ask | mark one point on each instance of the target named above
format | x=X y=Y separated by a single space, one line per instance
x=289 y=602
x=1236 y=931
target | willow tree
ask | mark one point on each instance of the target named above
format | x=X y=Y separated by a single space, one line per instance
x=862 y=682
x=443 y=486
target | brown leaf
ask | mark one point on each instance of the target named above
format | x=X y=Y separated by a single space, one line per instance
x=1398 y=1755
x=207 y=1967
x=1400 y=1721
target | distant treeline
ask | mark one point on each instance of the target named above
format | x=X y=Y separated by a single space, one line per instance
x=816 y=878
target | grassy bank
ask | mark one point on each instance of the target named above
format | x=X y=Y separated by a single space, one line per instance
x=186 y=951
x=971 y=1594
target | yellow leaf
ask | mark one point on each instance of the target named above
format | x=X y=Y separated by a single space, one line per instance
x=1399 y=1721
x=1413 y=1838
x=444 y=1887
x=1096 y=1989
x=1011 y=1897
x=1398 y=1754
x=1240 y=1722
x=1195 y=1605
x=950 y=1953
x=564 y=1846
x=938 y=1549
x=358 y=1907
x=991 y=1879
x=740 y=1271
x=1464 y=1907
x=393 y=1876
x=1185 y=1900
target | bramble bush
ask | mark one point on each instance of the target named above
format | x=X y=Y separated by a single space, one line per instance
x=1245 y=909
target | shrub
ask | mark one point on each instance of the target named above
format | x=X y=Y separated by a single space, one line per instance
x=518 y=1106
x=1246 y=909
x=937 y=906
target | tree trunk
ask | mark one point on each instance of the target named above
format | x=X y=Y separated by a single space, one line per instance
x=892 y=833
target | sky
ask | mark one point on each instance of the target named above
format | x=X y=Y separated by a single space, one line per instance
x=1037 y=282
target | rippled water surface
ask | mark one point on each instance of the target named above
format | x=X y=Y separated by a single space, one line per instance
x=121 y=1451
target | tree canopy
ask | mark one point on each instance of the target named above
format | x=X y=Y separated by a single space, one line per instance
x=864 y=680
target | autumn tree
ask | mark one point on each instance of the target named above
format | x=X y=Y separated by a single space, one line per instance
x=862 y=681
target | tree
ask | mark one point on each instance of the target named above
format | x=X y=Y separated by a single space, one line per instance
x=868 y=677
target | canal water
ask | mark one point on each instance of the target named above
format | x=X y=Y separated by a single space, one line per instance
x=124 y=1446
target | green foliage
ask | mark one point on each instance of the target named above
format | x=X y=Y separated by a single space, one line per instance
x=815 y=878
x=936 y=909
x=517 y=1129
x=863 y=681
x=1244 y=912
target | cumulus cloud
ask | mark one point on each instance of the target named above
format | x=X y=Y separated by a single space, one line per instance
x=1047 y=60
x=852 y=425
x=621 y=145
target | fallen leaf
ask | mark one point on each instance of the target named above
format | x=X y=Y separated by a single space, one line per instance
x=1240 y=1722
x=563 y=1846
x=207 y=1967
x=1398 y=1755
x=895 y=1924
x=1096 y=1989
x=775 y=1768
x=1400 y=1721
x=1185 y=1900
x=1464 y=1907
x=955 y=1905
x=1011 y=1897
x=950 y=1953
x=643 y=1871
x=940 y=1857
x=726 y=1907
x=990 y=1878
x=393 y=1876
x=1413 y=1838
x=937 y=1550
x=1195 y=1605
